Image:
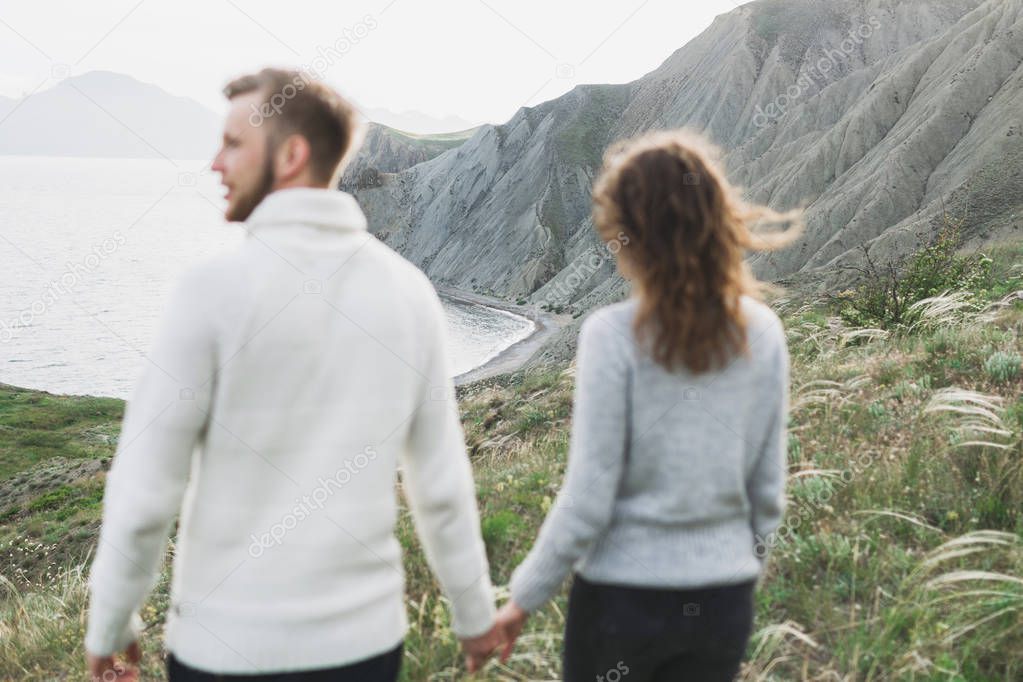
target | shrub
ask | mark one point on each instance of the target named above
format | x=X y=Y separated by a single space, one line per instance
x=887 y=291
x=1003 y=367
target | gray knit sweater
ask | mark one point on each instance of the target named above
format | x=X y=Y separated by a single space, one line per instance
x=674 y=479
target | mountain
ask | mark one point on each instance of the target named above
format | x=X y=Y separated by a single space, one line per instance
x=386 y=150
x=416 y=121
x=873 y=114
x=109 y=115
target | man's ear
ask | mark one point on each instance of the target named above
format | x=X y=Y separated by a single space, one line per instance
x=292 y=157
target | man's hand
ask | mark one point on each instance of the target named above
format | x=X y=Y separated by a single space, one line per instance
x=106 y=669
x=478 y=649
x=510 y=619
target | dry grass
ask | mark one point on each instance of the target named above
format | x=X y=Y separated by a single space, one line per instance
x=904 y=559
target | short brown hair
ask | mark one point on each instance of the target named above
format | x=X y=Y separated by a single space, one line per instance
x=683 y=230
x=293 y=102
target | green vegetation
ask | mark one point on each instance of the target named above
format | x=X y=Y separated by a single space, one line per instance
x=903 y=550
x=580 y=143
x=37 y=426
x=1003 y=367
x=889 y=295
x=555 y=308
x=433 y=143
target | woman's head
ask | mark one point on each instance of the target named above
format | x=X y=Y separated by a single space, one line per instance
x=681 y=232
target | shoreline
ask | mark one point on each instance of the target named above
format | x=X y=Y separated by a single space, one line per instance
x=510 y=359
x=545 y=325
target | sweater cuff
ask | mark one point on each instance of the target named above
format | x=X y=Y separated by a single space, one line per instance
x=109 y=631
x=764 y=538
x=538 y=579
x=473 y=612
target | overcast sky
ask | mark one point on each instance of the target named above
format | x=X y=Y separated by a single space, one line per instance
x=479 y=60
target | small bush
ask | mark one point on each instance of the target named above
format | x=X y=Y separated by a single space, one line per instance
x=886 y=292
x=1003 y=367
x=54 y=498
x=499 y=529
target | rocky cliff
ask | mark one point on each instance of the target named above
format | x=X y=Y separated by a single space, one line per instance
x=875 y=115
x=386 y=150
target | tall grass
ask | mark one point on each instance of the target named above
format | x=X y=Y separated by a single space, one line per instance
x=906 y=497
x=41 y=631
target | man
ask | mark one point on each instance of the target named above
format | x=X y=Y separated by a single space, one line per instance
x=286 y=384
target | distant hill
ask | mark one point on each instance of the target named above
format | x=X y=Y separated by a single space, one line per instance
x=416 y=121
x=108 y=115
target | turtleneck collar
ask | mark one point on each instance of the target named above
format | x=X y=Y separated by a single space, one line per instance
x=323 y=208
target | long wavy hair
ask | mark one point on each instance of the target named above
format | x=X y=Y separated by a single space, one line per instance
x=680 y=232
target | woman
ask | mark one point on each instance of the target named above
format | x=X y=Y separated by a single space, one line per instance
x=676 y=467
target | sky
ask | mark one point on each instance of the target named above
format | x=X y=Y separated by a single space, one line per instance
x=475 y=60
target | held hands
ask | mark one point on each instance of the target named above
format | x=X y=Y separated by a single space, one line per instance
x=505 y=631
x=510 y=620
x=107 y=669
x=478 y=649
x=507 y=628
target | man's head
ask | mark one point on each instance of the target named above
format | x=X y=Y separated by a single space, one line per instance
x=282 y=130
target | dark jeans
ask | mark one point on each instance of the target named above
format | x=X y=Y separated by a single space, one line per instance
x=616 y=632
x=382 y=668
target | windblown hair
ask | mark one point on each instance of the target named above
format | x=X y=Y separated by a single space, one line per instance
x=294 y=102
x=680 y=231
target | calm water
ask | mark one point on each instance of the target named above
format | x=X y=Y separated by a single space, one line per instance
x=89 y=249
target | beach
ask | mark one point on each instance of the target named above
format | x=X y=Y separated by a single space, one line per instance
x=546 y=324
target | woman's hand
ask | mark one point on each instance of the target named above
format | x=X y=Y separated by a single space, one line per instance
x=478 y=649
x=107 y=669
x=510 y=620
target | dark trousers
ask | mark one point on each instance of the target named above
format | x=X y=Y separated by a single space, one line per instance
x=382 y=668
x=616 y=632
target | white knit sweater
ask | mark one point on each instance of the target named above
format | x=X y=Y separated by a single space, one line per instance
x=288 y=382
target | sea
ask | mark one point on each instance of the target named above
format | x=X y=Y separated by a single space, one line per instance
x=89 y=249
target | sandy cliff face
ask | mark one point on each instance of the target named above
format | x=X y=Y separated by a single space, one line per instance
x=873 y=114
x=386 y=150
x=877 y=154
x=502 y=209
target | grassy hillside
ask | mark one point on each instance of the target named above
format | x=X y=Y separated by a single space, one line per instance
x=433 y=143
x=902 y=557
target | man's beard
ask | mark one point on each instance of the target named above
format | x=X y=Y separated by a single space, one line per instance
x=247 y=203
